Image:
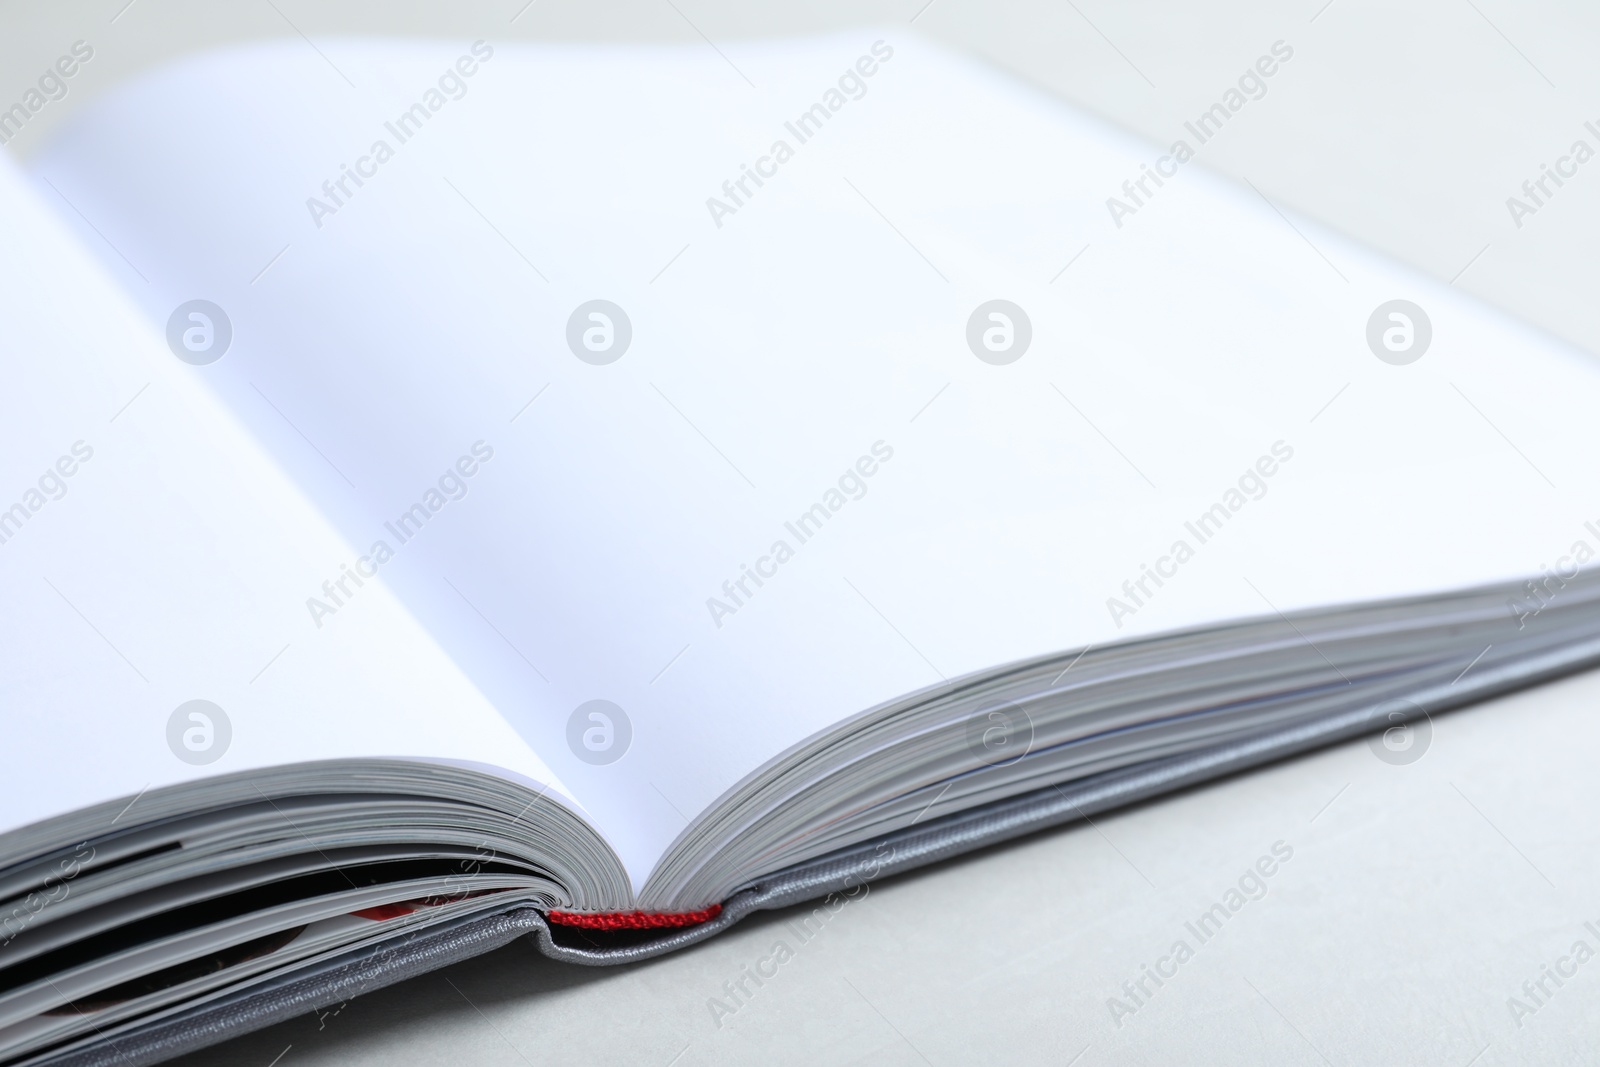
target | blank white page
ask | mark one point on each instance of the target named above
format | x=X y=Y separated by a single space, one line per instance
x=1204 y=340
x=149 y=551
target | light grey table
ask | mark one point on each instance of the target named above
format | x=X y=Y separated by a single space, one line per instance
x=1418 y=899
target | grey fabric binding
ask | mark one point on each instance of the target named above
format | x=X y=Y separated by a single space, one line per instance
x=376 y=966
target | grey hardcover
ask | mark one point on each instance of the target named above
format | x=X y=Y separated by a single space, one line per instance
x=372 y=967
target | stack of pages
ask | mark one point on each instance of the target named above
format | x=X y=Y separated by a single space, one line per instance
x=456 y=491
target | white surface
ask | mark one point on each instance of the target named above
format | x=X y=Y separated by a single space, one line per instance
x=1407 y=916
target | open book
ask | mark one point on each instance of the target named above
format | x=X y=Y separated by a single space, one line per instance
x=455 y=491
